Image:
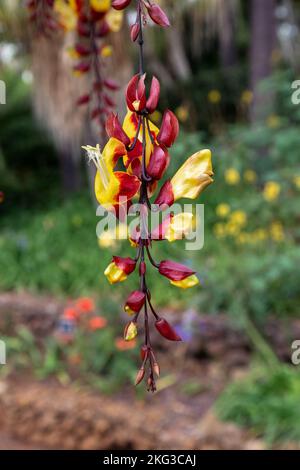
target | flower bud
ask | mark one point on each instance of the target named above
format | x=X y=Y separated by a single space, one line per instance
x=174 y=271
x=130 y=331
x=135 y=93
x=120 y=4
x=140 y=375
x=169 y=129
x=157 y=15
x=111 y=84
x=134 y=31
x=119 y=269
x=134 y=302
x=144 y=352
x=153 y=99
x=84 y=99
x=156 y=368
x=114 y=129
x=165 y=329
x=166 y=195
x=159 y=161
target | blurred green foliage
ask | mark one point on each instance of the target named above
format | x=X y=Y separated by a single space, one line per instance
x=267 y=402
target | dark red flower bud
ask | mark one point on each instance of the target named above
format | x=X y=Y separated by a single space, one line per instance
x=153 y=99
x=134 y=31
x=166 y=195
x=142 y=268
x=134 y=302
x=103 y=30
x=82 y=67
x=158 y=15
x=111 y=84
x=83 y=30
x=174 y=271
x=96 y=112
x=84 y=99
x=82 y=50
x=109 y=101
x=120 y=4
x=135 y=93
x=158 y=163
x=169 y=129
x=165 y=329
x=140 y=375
x=127 y=265
x=144 y=352
x=114 y=129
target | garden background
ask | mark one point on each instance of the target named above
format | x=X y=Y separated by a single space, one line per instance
x=227 y=69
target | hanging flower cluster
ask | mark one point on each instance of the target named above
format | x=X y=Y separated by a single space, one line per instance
x=41 y=14
x=144 y=151
x=91 y=21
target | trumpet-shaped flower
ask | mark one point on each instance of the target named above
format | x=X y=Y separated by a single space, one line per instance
x=112 y=185
x=189 y=181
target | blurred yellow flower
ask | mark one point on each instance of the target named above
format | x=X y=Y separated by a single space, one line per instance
x=277 y=232
x=250 y=176
x=271 y=191
x=232 y=228
x=219 y=230
x=100 y=6
x=273 y=121
x=214 y=96
x=242 y=238
x=182 y=112
x=222 y=210
x=238 y=218
x=232 y=176
x=108 y=239
x=297 y=181
x=66 y=15
x=114 y=19
x=260 y=234
x=247 y=97
x=106 y=51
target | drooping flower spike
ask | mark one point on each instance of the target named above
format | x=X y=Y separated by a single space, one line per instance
x=144 y=150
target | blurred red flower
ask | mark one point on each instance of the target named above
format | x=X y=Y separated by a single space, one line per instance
x=96 y=323
x=70 y=313
x=123 y=345
x=85 y=305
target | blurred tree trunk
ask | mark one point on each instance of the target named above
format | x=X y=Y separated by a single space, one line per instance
x=56 y=91
x=177 y=56
x=263 y=36
x=228 y=50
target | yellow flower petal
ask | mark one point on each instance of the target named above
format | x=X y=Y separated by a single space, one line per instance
x=180 y=226
x=190 y=281
x=114 y=274
x=271 y=191
x=194 y=176
x=114 y=19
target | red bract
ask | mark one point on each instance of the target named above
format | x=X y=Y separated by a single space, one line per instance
x=110 y=84
x=153 y=99
x=134 y=31
x=120 y=4
x=135 y=301
x=114 y=129
x=174 y=271
x=165 y=196
x=165 y=329
x=135 y=93
x=158 y=163
x=169 y=129
x=84 y=99
x=127 y=265
x=157 y=15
